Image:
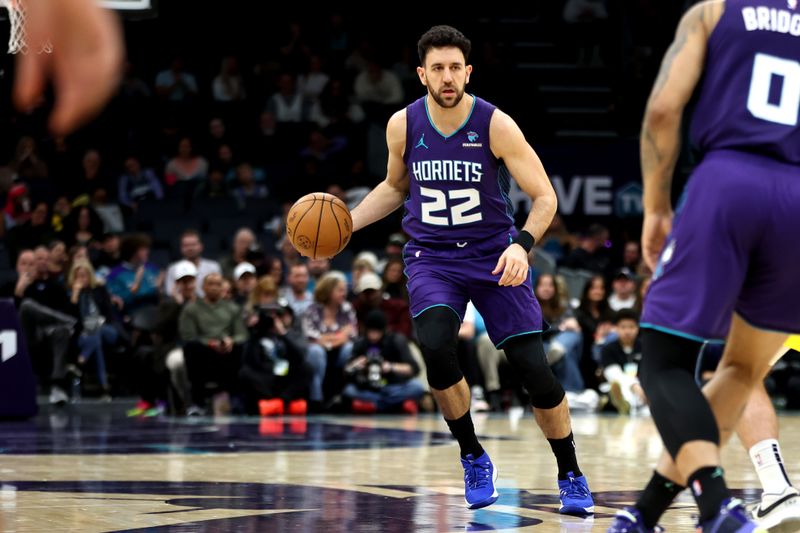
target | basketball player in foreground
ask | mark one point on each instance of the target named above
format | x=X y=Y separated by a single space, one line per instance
x=451 y=157
x=84 y=67
x=728 y=269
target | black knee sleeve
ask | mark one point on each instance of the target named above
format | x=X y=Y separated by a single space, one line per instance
x=680 y=411
x=526 y=356
x=437 y=331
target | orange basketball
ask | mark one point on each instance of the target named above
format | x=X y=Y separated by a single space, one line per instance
x=319 y=225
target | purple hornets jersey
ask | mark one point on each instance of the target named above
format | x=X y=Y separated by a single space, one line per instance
x=750 y=93
x=458 y=189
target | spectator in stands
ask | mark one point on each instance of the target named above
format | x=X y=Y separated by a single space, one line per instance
x=632 y=256
x=48 y=320
x=313 y=81
x=62 y=207
x=378 y=86
x=176 y=85
x=245 y=280
x=137 y=184
x=294 y=53
x=186 y=165
x=275 y=270
x=246 y=186
x=213 y=332
x=364 y=262
x=590 y=254
x=192 y=251
x=18 y=206
x=109 y=212
x=394 y=279
x=330 y=324
x=165 y=340
x=92 y=176
x=135 y=281
x=394 y=248
x=264 y=293
x=562 y=341
x=225 y=161
x=381 y=373
x=58 y=262
x=107 y=257
x=242 y=241
x=228 y=86
x=100 y=328
x=24 y=276
x=274 y=368
x=217 y=136
x=28 y=164
x=288 y=104
x=37 y=231
x=336 y=111
x=296 y=292
x=317 y=268
x=623 y=286
x=369 y=296
x=82 y=226
x=289 y=254
x=595 y=318
x=215 y=186
x=77 y=252
x=620 y=361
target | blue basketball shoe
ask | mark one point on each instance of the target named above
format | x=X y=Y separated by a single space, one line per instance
x=479 y=477
x=629 y=520
x=731 y=518
x=576 y=499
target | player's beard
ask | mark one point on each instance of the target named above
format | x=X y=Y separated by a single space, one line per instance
x=439 y=99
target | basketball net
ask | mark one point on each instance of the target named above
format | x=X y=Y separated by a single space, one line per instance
x=17 y=38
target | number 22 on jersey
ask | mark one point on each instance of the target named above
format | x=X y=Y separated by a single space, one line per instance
x=457 y=201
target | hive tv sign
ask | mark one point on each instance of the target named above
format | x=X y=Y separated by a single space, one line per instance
x=595 y=191
x=588 y=195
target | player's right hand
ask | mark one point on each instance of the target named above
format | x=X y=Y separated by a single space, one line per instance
x=514 y=266
x=655 y=229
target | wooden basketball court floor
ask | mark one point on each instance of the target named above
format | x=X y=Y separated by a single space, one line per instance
x=88 y=468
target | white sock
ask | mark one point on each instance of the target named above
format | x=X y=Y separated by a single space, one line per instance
x=767 y=460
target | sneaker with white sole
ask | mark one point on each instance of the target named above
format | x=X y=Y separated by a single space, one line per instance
x=779 y=512
x=576 y=498
x=479 y=479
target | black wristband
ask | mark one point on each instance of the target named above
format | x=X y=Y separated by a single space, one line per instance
x=525 y=240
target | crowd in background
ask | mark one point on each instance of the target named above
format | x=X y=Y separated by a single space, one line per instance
x=146 y=254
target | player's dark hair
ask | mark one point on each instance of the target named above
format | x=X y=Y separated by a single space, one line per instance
x=440 y=37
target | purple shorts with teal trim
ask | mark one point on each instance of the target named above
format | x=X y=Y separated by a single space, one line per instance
x=450 y=276
x=734 y=247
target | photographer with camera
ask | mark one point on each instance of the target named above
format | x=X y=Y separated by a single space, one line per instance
x=274 y=373
x=381 y=373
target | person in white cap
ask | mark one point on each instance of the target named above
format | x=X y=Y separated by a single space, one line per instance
x=244 y=278
x=191 y=251
x=185 y=290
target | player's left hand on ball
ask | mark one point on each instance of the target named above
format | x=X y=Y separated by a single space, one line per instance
x=514 y=266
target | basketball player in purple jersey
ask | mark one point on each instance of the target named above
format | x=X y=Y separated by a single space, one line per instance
x=451 y=158
x=727 y=270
